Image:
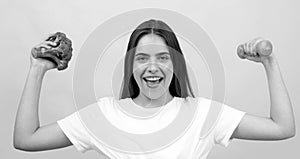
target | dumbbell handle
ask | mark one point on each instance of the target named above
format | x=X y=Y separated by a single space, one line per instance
x=263 y=48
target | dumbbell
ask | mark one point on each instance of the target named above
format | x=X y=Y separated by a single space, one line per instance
x=262 y=47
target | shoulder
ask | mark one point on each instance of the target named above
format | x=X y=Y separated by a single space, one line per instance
x=203 y=102
x=105 y=99
x=94 y=107
x=213 y=105
x=219 y=107
x=109 y=100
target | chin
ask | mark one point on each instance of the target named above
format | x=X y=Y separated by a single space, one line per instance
x=154 y=94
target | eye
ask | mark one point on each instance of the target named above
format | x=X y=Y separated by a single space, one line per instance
x=164 y=58
x=141 y=58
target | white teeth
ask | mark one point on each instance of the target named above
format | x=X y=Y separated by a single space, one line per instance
x=152 y=78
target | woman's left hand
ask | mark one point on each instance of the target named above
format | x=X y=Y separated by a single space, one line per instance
x=250 y=51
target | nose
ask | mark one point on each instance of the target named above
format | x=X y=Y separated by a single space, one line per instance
x=152 y=67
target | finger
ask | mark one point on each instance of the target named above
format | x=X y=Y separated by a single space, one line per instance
x=252 y=47
x=246 y=49
x=241 y=52
x=250 y=58
x=50 y=43
x=42 y=45
x=46 y=44
x=253 y=58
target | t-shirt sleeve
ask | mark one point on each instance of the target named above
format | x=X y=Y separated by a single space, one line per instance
x=227 y=123
x=76 y=132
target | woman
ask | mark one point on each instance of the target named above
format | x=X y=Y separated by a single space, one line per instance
x=155 y=76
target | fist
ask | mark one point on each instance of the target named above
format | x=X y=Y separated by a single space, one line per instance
x=44 y=63
x=256 y=50
x=57 y=49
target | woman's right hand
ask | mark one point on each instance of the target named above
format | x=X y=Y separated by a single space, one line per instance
x=40 y=62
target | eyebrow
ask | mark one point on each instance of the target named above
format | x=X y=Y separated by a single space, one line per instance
x=144 y=54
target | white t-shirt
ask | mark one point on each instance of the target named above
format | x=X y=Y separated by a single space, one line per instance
x=194 y=143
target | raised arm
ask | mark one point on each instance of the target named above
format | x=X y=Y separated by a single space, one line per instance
x=280 y=124
x=28 y=135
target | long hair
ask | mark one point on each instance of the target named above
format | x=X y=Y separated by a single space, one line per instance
x=180 y=85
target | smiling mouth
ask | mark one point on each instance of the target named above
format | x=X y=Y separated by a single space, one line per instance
x=152 y=82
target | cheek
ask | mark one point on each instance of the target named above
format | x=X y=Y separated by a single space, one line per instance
x=137 y=71
x=168 y=69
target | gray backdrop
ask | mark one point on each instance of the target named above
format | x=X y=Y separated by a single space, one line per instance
x=228 y=23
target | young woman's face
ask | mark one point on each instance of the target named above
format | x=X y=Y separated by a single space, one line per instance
x=152 y=66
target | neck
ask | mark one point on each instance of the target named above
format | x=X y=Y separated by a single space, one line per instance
x=147 y=102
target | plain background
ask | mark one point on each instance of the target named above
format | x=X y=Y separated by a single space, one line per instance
x=228 y=23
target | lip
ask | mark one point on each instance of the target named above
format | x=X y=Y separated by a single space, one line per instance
x=145 y=81
x=153 y=76
x=160 y=78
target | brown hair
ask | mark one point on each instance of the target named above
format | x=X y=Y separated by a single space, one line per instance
x=180 y=85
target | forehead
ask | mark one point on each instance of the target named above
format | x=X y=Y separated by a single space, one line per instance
x=151 y=44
